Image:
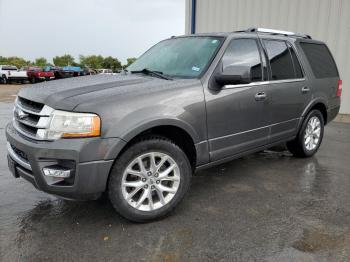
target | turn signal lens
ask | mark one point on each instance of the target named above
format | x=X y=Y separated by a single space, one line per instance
x=95 y=129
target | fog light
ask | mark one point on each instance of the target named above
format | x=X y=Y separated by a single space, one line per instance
x=55 y=172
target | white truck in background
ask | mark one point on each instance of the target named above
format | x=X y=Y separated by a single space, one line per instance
x=10 y=74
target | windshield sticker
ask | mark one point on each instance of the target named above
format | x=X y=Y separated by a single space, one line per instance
x=194 y=68
x=214 y=41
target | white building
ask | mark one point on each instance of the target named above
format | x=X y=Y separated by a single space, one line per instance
x=325 y=20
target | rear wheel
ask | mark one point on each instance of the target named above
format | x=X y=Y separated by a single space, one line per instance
x=149 y=179
x=309 y=137
x=32 y=80
x=4 y=79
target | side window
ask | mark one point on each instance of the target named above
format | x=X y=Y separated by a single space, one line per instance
x=296 y=63
x=242 y=56
x=280 y=60
x=320 y=59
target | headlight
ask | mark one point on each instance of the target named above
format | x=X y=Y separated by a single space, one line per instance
x=69 y=125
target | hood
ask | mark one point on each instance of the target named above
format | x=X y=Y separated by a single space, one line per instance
x=66 y=94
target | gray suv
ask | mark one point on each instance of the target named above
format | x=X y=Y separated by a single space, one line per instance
x=188 y=103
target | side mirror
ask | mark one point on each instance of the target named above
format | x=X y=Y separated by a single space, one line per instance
x=234 y=75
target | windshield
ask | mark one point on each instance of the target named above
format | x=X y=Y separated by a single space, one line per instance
x=179 y=57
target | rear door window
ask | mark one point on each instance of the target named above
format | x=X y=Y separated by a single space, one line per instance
x=320 y=60
x=280 y=59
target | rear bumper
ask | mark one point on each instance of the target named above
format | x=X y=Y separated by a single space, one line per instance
x=89 y=160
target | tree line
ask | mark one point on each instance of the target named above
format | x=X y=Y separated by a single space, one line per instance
x=91 y=61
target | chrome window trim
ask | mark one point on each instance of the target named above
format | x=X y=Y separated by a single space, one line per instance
x=264 y=83
x=17 y=158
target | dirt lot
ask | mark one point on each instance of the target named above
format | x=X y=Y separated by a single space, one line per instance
x=265 y=207
x=8 y=92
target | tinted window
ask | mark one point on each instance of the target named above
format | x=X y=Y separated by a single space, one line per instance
x=280 y=60
x=243 y=55
x=296 y=63
x=320 y=59
x=9 y=68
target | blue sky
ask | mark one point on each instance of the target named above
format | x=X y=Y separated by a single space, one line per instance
x=120 y=28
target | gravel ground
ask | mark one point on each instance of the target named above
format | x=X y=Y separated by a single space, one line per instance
x=264 y=207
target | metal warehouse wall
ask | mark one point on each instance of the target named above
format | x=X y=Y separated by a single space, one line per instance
x=326 y=20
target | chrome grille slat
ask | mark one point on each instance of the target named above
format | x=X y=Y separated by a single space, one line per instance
x=45 y=111
x=28 y=120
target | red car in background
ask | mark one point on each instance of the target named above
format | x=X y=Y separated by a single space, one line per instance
x=37 y=74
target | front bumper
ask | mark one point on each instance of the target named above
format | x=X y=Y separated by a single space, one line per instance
x=90 y=160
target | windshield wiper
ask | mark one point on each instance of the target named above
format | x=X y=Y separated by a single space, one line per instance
x=158 y=74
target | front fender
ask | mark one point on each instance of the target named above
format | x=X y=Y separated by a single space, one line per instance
x=135 y=122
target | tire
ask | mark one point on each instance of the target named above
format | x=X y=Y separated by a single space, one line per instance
x=151 y=207
x=299 y=146
x=4 y=80
x=33 y=80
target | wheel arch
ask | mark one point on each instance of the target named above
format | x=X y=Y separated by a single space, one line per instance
x=319 y=104
x=179 y=132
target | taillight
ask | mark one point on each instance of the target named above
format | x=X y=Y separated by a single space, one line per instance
x=339 y=88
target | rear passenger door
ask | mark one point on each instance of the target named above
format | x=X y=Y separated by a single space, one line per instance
x=288 y=88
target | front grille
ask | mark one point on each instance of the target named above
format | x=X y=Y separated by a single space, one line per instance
x=34 y=106
x=30 y=117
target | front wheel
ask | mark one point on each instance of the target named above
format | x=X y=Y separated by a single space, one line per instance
x=309 y=137
x=149 y=179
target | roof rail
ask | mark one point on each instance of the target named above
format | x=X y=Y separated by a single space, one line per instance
x=276 y=32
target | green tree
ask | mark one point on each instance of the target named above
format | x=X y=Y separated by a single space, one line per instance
x=41 y=61
x=16 y=61
x=111 y=63
x=64 y=60
x=92 y=61
x=129 y=61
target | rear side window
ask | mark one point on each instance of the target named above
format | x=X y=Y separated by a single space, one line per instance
x=243 y=54
x=297 y=68
x=280 y=58
x=320 y=59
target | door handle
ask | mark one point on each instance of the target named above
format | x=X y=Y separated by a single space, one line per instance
x=260 y=96
x=305 y=90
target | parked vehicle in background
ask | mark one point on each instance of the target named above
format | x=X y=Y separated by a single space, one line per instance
x=140 y=135
x=59 y=72
x=37 y=74
x=88 y=71
x=10 y=74
x=73 y=71
x=105 y=72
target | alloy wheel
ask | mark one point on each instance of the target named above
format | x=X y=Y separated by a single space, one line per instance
x=312 y=133
x=150 y=181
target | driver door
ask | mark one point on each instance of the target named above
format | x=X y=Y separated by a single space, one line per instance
x=237 y=114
